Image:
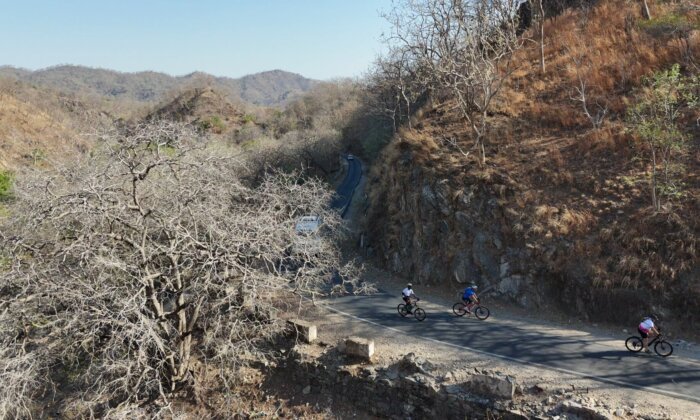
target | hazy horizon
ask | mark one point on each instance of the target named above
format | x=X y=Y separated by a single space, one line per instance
x=316 y=39
x=157 y=71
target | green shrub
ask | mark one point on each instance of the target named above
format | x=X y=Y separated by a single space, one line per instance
x=678 y=25
x=6 y=179
x=250 y=144
x=214 y=123
x=38 y=156
x=248 y=118
x=5 y=263
x=655 y=119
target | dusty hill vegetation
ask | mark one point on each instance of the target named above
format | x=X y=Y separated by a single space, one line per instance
x=38 y=124
x=561 y=211
x=203 y=107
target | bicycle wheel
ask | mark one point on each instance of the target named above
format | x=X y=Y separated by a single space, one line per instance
x=458 y=309
x=663 y=348
x=402 y=309
x=634 y=344
x=419 y=314
x=482 y=312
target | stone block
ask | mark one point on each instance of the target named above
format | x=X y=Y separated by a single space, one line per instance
x=360 y=347
x=493 y=386
x=582 y=412
x=305 y=330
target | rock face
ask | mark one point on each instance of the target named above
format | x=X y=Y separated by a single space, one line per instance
x=388 y=392
x=411 y=364
x=476 y=228
x=414 y=388
x=494 y=386
x=438 y=233
x=530 y=228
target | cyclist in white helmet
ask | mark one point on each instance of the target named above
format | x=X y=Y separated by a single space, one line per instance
x=648 y=328
x=408 y=296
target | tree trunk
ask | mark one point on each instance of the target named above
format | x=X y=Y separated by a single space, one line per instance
x=654 y=198
x=542 y=65
x=645 y=10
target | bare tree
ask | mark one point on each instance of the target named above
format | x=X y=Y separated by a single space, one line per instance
x=541 y=19
x=595 y=116
x=645 y=10
x=394 y=86
x=463 y=47
x=150 y=265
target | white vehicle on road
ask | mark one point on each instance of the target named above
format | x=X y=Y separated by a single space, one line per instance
x=308 y=240
x=350 y=156
x=307 y=224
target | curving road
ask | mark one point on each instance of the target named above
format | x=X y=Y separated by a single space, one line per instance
x=347 y=188
x=575 y=353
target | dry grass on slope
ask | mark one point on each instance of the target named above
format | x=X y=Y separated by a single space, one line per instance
x=607 y=46
x=576 y=195
x=29 y=135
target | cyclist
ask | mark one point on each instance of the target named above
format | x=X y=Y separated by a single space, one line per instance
x=469 y=297
x=648 y=327
x=408 y=296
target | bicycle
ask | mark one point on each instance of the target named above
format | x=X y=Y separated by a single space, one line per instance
x=661 y=347
x=479 y=311
x=417 y=312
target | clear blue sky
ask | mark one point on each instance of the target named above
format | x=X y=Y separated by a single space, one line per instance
x=320 y=39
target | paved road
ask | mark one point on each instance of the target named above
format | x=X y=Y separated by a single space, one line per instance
x=347 y=188
x=579 y=354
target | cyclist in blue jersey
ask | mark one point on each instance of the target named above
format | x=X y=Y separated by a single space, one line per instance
x=470 y=298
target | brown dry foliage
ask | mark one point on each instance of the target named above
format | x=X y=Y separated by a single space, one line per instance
x=29 y=134
x=565 y=185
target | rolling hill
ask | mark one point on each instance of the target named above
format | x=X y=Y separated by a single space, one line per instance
x=268 y=88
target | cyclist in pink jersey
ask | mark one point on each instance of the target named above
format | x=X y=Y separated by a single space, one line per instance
x=646 y=328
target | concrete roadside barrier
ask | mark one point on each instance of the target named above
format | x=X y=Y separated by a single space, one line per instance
x=305 y=330
x=359 y=347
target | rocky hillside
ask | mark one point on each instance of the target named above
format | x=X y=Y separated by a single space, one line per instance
x=559 y=217
x=267 y=88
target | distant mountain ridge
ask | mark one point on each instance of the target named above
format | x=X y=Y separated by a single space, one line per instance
x=268 y=88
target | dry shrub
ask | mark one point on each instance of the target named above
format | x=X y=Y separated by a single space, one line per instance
x=544 y=212
x=575 y=221
x=556 y=158
x=556 y=116
x=616 y=53
x=511 y=102
x=144 y=260
x=552 y=156
x=562 y=221
x=563 y=177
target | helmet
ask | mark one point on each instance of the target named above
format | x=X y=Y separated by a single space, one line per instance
x=474 y=286
x=654 y=317
x=409 y=285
